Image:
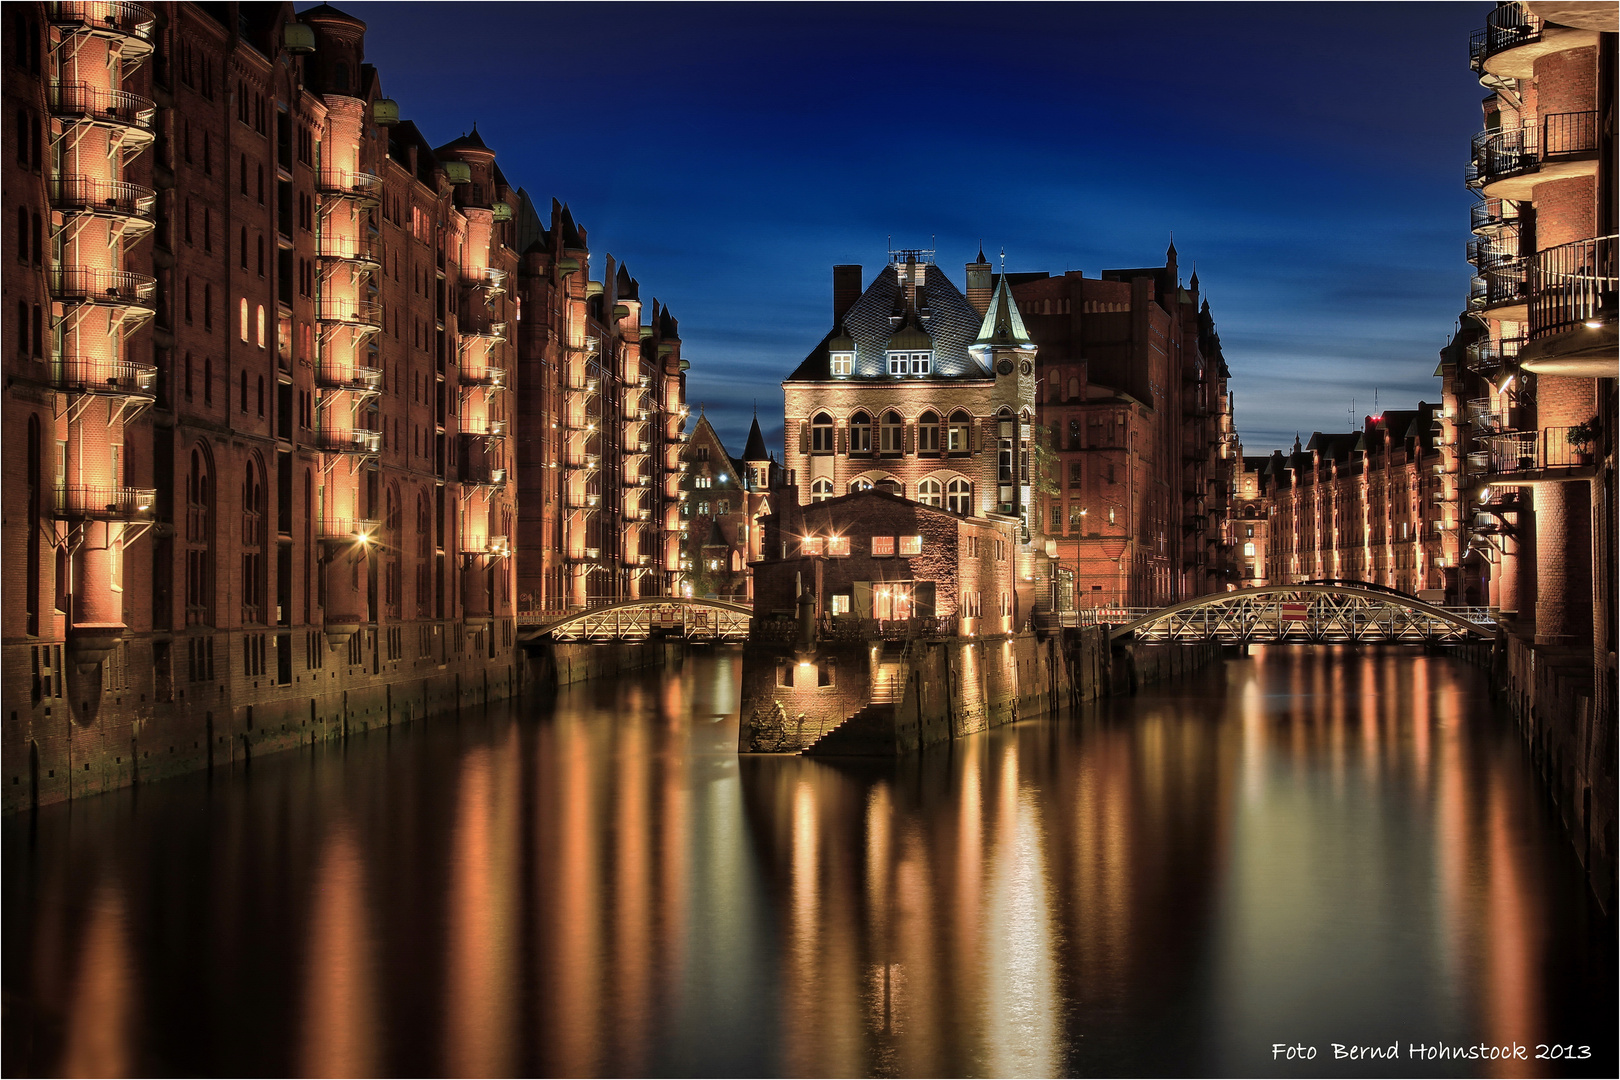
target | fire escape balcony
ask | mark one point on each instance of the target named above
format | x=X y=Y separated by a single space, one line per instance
x=1507 y=27
x=364 y=250
x=130 y=115
x=1505 y=292
x=1496 y=248
x=490 y=332
x=638 y=481
x=488 y=280
x=348 y=530
x=356 y=378
x=1508 y=162
x=1490 y=358
x=494 y=547
x=482 y=475
x=363 y=315
x=584 y=462
x=129 y=205
x=1490 y=216
x=130 y=25
x=587 y=556
x=583 y=500
x=1525 y=457
x=1573 y=283
x=365 y=187
x=104 y=378
x=80 y=502
x=586 y=384
x=482 y=427
x=352 y=441
x=492 y=378
x=128 y=292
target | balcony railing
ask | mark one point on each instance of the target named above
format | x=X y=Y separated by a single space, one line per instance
x=355 y=441
x=583 y=385
x=1573 y=284
x=1506 y=282
x=112 y=378
x=492 y=331
x=1500 y=153
x=129 y=20
x=360 y=249
x=637 y=481
x=92 y=285
x=482 y=476
x=1537 y=451
x=364 y=314
x=586 y=555
x=1496 y=249
x=350 y=183
x=1506 y=27
x=1489 y=357
x=583 y=501
x=105 y=503
x=106 y=198
x=349 y=530
x=487 y=278
x=481 y=427
x=583 y=461
x=484 y=376
x=103 y=106
x=1491 y=215
x=335 y=376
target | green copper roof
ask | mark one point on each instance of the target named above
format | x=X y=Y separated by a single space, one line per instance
x=1002 y=324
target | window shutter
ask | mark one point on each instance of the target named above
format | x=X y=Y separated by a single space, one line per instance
x=804 y=437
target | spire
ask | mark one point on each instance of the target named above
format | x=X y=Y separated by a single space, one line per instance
x=754 y=449
x=1002 y=326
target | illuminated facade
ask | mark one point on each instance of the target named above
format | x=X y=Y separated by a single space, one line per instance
x=262 y=367
x=723 y=499
x=1359 y=506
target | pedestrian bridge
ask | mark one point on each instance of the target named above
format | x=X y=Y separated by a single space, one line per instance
x=1319 y=614
x=638 y=620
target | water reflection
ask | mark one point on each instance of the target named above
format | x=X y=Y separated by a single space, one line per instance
x=1307 y=845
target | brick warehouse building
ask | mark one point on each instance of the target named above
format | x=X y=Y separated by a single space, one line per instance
x=1123 y=459
x=1355 y=506
x=723 y=499
x=1530 y=397
x=262 y=368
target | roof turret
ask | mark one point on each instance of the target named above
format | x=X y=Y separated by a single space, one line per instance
x=754 y=449
x=1003 y=326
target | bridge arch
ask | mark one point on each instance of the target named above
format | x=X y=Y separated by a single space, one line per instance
x=635 y=620
x=1298 y=612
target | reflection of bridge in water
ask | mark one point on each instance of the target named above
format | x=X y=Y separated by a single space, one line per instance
x=1320 y=614
x=639 y=620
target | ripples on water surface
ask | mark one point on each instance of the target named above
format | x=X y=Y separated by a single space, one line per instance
x=1307 y=846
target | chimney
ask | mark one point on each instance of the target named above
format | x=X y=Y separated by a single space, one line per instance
x=979 y=285
x=846 y=290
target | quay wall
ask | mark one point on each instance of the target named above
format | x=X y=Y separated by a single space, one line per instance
x=1569 y=733
x=886 y=698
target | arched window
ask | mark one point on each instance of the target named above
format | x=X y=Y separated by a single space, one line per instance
x=244 y=391
x=928 y=433
x=958 y=436
x=260 y=325
x=244 y=317
x=821 y=434
x=821 y=490
x=860 y=434
x=959 y=497
x=894 y=432
x=241 y=247
x=860 y=483
x=1074 y=433
x=261 y=257
x=1074 y=388
x=261 y=397
x=929 y=492
x=208 y=380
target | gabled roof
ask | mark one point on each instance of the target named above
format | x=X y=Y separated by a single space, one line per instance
x=943 y=313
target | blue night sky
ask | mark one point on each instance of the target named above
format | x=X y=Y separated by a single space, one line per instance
x=1308 y=158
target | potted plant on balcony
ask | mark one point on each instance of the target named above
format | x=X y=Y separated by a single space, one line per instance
x=1581 y=437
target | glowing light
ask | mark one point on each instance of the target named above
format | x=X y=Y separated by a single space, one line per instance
x=1594 y=324
x=1507 y=382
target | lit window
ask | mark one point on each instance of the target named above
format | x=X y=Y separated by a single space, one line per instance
x=261 y=326
x=838 y=545
x=703 y=508
x=244 y=318
x=811 y=545
x=957 y=435
x=843 y=364
x=704 y=481
x=1248 y=551
x=928 y=491
x=901 y=363
x=959 y=497
x=911 y=545
x=840 y=604
x=821 y=490
x=882 y=545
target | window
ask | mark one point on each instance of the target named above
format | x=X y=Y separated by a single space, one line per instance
x=860 y=484
x=901 y=363
x=911 y=545
x=811 y=545
x=957 y=435
x=882 y=546
x=244 y=318
x=929 y=492
x=837 y=545
x=928 y=433
x=723 y=506
x=893 y=433
x=821 y=436
x=703 y=453
x=843 y=364
x=1077 y=515
x=840 y=603
x=1076 y=474
x=959 y=497
x=703 y=481
x=860 y=434
x=261 y=326
x=1248 y=551
x=703 y=508
x=821 y=490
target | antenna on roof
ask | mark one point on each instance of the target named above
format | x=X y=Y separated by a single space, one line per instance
x=1003 y=261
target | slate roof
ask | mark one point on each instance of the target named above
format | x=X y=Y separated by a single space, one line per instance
x=754 y=449
x=950 y=321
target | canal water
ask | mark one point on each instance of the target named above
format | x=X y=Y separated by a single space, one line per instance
x=1301 y=848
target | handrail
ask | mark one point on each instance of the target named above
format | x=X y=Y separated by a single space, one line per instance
x=353 y=441
x=1507 y=26
x=96 y=375
x=105 y=502
x=349 y=182
x=363 y=248
x=135 y=20
x=1572 y=284
x=353 y=377
x=96 y=195
x=366 y=313
x=99 y=103
x=98 y=286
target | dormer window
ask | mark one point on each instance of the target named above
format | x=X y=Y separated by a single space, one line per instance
x=910 y=363
x=843 y=363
